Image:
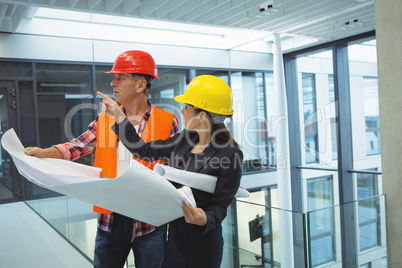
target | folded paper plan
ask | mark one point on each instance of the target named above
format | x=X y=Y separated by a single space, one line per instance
x=138 y=192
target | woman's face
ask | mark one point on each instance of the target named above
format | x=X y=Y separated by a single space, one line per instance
x=191 y=118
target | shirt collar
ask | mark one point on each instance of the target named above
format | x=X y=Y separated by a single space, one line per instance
x=147 y=113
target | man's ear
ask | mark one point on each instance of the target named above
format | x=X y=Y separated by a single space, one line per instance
x=142 y=84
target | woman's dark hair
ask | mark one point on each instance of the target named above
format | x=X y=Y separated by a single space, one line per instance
x=219 y=130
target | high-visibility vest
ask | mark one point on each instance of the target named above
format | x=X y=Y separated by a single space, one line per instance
x=159 y=126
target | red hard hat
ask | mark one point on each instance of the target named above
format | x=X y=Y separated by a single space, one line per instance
x=135 y=62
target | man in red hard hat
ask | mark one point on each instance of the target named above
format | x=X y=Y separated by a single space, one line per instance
x=134 y=72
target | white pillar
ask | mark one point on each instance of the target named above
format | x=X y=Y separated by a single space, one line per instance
x=283 y=161
x=388 y=21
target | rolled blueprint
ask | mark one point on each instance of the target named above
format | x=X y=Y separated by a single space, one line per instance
x=203 y=182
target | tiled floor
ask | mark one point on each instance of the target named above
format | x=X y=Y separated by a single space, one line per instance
x=26 y=241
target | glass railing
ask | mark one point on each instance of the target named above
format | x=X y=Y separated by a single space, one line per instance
x=362 y=223
x=263 y=236
x=256 y=235
x=71 y=218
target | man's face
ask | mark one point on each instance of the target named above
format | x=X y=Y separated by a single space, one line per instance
x=126 y=87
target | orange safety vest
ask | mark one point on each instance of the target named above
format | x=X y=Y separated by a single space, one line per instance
x=159 y=126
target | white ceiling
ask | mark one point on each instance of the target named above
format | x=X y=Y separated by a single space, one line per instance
x=323 y=20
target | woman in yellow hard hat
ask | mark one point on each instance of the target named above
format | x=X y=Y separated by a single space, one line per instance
x=204 y=146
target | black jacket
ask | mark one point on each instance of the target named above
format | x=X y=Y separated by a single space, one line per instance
x=221 y=159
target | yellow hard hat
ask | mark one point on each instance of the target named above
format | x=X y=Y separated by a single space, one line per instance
x=209 y=93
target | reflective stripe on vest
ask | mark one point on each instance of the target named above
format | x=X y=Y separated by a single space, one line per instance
x=159 y=126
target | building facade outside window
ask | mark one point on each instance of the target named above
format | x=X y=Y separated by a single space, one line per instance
x=364 y=104
x=250 y=124
x=317 y=108
x=270 y=103
x=372 y=115
x=332 y=114
x=311 y=145
x=317 y=86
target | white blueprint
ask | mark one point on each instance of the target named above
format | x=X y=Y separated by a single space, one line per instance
x=137 y=192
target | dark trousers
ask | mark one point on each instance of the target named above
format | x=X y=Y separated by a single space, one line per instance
x=112 y=249
x=174 y=258
x=194 y=261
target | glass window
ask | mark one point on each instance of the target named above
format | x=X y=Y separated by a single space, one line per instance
x=364 y=104
x=15 y=69
x=63 y=88
x=321 y=220
x=224 y=75
x=369 y=223
x=258 y=229
x=319 y=193
x=27 y=113
x=250 y=127
x=65 y=108
x=332 y=114
x=367 y=185
x=310 y=121
x=270 y=107
x=372 y=115
x=103 y=80
x=6 y=167
x=28 y=134
x=384 y=262
x=366 y=138
x=171 y=83
x=317 y=108
x=369 y=218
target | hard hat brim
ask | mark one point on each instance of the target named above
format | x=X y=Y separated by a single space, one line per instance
x=155 y=77
x=180 y=99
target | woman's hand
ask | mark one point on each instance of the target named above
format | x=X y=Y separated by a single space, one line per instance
x=111 y=108
x=194 y=215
